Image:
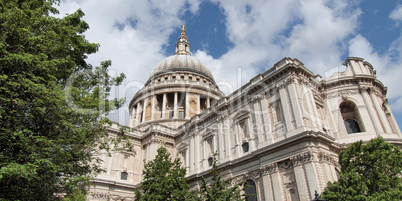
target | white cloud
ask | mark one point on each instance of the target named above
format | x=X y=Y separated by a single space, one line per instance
x=263 y=32
x=317 y=32
x=396 y=14
x=132 y=34
x=388 y=66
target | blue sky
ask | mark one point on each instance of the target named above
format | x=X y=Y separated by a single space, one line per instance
x=239 y=39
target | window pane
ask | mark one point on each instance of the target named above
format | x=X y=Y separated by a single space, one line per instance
x=124 y=176
x=352 y=126
x=245 y=147
x=250 y=190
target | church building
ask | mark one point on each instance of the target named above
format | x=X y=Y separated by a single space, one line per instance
x=281 y=132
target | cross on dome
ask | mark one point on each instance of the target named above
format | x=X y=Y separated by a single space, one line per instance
x=183 y=29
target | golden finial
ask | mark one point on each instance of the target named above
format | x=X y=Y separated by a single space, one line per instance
x=183 y=29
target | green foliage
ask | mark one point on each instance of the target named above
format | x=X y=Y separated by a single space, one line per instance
x=164 y=179
x=219 y=189
x=52 y=103
x=76 y=195
x=137 y=195
x=370 y=171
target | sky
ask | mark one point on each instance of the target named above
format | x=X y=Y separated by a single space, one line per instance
x=239 y=39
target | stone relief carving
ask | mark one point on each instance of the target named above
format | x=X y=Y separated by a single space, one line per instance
x=325 y=157
x=108 y=196
x=284 y=165
x=257 y=97
x=267 y=169
x=302 y=158
x=343 y=93
x=290 y=184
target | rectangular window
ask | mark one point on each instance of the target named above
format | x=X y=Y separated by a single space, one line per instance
x=181 y=114
x=245 y=147
x=124 y=176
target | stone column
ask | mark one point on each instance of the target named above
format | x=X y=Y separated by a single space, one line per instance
x=329 y=117
x=196 y=150
x=294 y=100
x=392 y=118
x=312 y=180
x=257 y=125
x=222 y=138
x=132 y=115
x=187 y=161
x=277 y=186
x=137 y=115
x=301 y=183
x=208 y=102
x=285 y=109
x=316 y=115
x=175 y=110
x=265 y=120
x=153 y=108
x=306 y=97
x=225 y=131
x=372 y=114
x=187 y=108
x=143 y=109
x=380 y=112
x=252 y=142
x=164 y=106
x=198 y=104
x=215 y=144
x=192 y=153
x=266 y=182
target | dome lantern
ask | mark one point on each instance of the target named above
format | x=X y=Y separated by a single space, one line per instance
x=182 y=45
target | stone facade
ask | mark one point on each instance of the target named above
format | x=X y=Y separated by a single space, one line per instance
x=281 y=132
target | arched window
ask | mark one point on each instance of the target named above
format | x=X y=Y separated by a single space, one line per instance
x=250 y=189
x=352 y=126
x=293 y=195
x=350 y=117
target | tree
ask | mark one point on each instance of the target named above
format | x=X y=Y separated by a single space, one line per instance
x=52 y=103
x=164 y=179
x=370 y=171
x=219 y=189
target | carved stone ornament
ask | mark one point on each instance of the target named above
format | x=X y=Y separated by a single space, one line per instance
x=327 y=158
x=284 y=165
x=302 y=158
x=281 y=86
x=290 y=184
x=257 y=97
x=108 y=196
x=267 y=169
x=243 y=177
x=343 y=93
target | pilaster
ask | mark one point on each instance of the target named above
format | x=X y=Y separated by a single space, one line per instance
x=294 y=100
x=380 y=112
x=164 y=98
x=373 y=116
x=285 y=109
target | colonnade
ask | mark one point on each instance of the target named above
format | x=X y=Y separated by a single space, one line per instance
x=175 y=105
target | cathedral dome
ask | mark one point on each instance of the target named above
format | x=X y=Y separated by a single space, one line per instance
x=181 y=62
